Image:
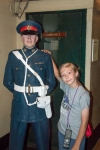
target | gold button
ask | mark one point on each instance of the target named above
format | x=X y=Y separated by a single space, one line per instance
x=28 y=75
x=24 y=50
x=29 y=85
x=16 y=68
x=40 y=68
x=33 y=50
x=29 y=94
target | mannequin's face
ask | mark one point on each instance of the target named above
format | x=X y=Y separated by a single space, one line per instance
x=29 y=40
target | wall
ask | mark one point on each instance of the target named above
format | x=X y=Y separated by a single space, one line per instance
x=95 y=67
x=7 y=43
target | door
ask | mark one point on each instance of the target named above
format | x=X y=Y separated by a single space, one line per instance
x=70 y=48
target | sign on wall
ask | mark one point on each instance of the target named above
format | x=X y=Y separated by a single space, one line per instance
x=95 y=47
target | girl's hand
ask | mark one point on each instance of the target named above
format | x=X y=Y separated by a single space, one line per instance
x=47 y=51
x=75 y=147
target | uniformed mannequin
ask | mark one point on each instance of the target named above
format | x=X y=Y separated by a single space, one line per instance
x=25 y=87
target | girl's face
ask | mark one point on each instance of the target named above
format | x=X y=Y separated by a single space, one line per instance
x=69 y=76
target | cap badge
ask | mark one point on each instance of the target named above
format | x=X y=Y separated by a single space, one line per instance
x=28 y=27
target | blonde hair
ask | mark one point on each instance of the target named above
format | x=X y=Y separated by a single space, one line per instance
x=73 y=66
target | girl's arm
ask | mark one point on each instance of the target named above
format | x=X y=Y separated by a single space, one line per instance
x=56 y=72
x=82 y=130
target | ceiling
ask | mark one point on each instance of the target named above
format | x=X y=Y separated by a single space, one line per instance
x=24 y=0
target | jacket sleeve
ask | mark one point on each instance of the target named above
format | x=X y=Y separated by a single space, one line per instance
x=8 y=80
x=50 y=78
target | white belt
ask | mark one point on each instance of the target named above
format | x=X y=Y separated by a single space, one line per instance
x=42 y=102
x=41 y=90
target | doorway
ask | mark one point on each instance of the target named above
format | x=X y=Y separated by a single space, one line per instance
x=70 y=48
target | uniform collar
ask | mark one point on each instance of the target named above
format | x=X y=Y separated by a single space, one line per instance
x=32 y=50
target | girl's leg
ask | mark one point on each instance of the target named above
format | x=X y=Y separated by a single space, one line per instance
x=61 y=141
x=82 y=146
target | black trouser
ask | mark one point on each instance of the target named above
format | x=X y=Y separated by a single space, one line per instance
x=18 y=131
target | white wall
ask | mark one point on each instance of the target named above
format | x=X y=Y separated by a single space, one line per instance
x=7 y=43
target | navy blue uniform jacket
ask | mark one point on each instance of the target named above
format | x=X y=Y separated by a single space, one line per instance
x=14 y=73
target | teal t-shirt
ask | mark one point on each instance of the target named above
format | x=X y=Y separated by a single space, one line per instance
x=74 y=101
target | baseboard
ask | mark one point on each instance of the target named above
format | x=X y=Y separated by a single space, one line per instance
x=4 y=142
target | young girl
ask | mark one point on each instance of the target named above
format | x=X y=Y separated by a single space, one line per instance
x=74 y=111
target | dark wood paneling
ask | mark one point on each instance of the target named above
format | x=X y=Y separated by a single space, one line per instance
x=4 y=142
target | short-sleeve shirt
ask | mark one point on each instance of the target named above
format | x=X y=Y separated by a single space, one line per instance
x=74 y=101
